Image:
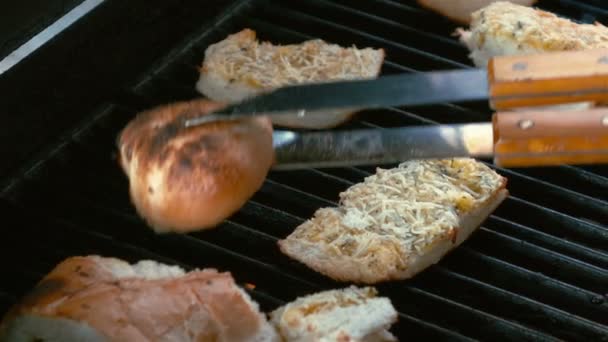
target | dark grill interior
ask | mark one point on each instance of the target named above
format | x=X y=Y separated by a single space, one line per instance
x=536 y=270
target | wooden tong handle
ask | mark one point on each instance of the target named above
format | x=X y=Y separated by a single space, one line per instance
x=537 y=138
x=548 y=78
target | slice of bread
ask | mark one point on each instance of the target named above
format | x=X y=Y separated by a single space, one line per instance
x=240 y=67
x=504 y=28
x=93 y=298
x=350 y=314
x=399 y=221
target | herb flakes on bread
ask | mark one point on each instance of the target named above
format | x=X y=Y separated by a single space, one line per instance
x=240 y=67
x=398 y=221
x=351 y=314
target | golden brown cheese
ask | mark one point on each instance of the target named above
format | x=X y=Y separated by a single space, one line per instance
x=397 y=221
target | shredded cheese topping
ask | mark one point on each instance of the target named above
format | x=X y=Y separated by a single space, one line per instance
x=241 y=58
x=401 y=211
x=536 y=29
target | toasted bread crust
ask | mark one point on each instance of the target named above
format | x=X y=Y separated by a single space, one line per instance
x=504 y=28
x=362 y=245
x=240 y=67
x=199 y=305
x=185 y=179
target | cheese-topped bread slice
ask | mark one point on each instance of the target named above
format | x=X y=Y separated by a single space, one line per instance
x=504 y=28
x=350 y=314
x=240 y=67
x=398 y=221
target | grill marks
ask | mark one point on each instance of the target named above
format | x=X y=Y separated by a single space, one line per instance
x=161 y=138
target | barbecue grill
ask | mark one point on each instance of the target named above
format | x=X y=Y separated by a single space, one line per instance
x=536 y=270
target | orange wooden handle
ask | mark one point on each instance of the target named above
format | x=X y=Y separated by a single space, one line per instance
x=543 y=138
x=548 y=78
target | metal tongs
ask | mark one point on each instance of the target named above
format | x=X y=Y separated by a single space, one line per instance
x=523 y=132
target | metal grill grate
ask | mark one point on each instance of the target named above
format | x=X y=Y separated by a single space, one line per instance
x=536 y=270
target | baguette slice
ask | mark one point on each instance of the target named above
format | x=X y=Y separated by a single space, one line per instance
x=93 y=298
x=398 y=221
x=241 y=67
x=504 y=28
x=461 y=10
x=350 y=314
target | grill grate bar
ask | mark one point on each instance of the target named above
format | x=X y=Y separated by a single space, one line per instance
x=553 y=292
x=429 y=330
x=334 y=11
x=597 y=179
x=515 y=307
x=550 y=220
x=571 y=177
x=596 y=9
x=564 y=268
x=287 y=15
x=398 y=11
x=545 y=240
x=558 y=197
x=454 y=311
